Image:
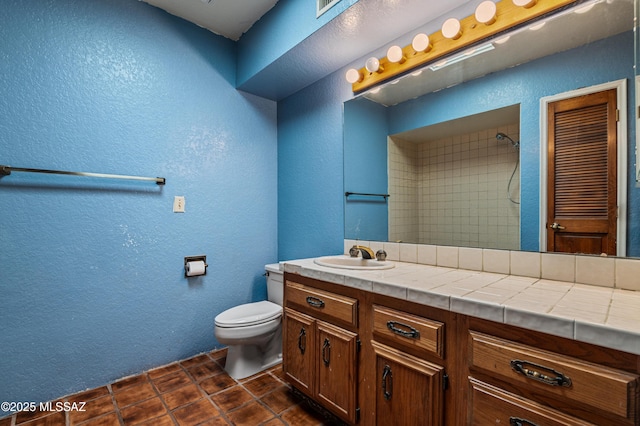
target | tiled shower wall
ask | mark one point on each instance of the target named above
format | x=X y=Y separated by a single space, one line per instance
x=453 y=191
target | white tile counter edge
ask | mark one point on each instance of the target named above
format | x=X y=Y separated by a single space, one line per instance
x=566 y=309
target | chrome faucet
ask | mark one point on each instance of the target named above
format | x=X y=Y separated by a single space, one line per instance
x=367 y=253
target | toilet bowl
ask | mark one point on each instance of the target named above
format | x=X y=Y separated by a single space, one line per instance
x=253 y=331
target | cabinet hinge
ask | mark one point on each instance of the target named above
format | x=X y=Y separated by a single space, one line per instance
x=357 y=414
x=445 y=381
x=617 y=115
x=358 y=345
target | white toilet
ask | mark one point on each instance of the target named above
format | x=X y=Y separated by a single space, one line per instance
x=253 y=331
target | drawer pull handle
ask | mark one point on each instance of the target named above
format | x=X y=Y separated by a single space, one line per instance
x=315 y=302
x=411 y=333
x=387 y=382
x=326 y=352
x=549 y=376
x=515 y=421
x=302 y=346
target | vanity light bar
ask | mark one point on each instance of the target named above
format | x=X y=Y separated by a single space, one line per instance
x=507 y=15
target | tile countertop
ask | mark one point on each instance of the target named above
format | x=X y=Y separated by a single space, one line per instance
x=603 y=316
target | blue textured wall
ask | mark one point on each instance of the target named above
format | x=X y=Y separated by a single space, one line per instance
x=310 y=175
x=92 y=286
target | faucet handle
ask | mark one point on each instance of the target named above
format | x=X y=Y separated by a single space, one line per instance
x=353 y=251
x=381 y=255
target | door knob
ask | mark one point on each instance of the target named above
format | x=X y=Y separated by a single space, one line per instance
x=556 y=225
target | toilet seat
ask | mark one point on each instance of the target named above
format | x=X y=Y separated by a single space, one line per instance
x=248 y=314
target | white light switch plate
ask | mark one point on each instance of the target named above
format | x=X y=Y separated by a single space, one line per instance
x=178 y=204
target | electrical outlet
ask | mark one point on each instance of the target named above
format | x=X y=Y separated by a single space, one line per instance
x=178 y=204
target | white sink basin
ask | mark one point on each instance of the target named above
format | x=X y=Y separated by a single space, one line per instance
x=346 y=262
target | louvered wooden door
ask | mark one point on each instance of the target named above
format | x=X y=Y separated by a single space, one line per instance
x=582 y=170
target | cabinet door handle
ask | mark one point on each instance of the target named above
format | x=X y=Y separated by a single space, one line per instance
x=515 y=421
x=387 y=382
x=315 y=302
x=326 y=352
x=405 y=331
x=531 y=370
x=302 y=346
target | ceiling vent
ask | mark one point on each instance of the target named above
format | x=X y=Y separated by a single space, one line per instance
x=323 y=5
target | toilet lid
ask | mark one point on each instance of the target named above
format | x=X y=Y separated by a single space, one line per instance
x=249 y=314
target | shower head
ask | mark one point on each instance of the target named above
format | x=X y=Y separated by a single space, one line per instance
x=501 y=136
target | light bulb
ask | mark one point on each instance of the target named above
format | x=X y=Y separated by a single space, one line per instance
x=421 y=43
x=395 y=54
x=373 y=65
x=524 y=3
x=353 y=76
x=451 y=29
x=486 y=12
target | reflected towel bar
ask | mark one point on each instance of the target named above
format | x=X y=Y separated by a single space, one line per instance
x=385 y=196
x=6 y=170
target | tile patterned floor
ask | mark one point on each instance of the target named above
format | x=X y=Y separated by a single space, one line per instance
x=192 y=392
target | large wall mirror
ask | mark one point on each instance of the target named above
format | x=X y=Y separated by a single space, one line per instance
x=463 y=150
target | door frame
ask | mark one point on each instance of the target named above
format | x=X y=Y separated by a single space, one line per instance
x=622 y=142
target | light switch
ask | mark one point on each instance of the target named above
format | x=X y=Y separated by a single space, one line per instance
x=178 y=204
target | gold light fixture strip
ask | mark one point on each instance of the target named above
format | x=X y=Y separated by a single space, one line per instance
x=507 y=16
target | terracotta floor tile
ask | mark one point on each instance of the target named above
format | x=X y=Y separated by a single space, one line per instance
x=198 y=359
x=262 y=385
x=195 y=413
x=277 y=372
x=202 y=371
x=54 y=419
x=93 y=408
x=129 y=381
x=26 y=416
x=300 y=416
x=6 y=421
x=110 y=419
x=274 y=422
x=182 y=396
x=250 y=414
x=219 y=355
x=231 y=398
x=89 y=394
x=218 y=421
x=159 y=421
x=217 y=383
x=136 y=393
x=146 y=410
x=172 y=381
x=163 y=371
x=280 y=399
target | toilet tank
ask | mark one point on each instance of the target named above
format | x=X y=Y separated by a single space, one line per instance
x=275 y=285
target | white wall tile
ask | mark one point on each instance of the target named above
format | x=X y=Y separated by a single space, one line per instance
x=595 y=270
x=496 y=261
x=470 y=258
x=525 y=263
x=560 y=267
x=447 y=256
x=628 y=274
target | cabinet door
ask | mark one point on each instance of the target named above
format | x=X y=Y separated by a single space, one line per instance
x=409 y=389
x=299 y=347
x=337 y=369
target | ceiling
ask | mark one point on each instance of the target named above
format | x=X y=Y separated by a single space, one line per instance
x=228 y=18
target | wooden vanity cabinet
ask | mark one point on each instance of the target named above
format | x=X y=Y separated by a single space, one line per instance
x=321 y=345
x=523 y=377
x=411 y=370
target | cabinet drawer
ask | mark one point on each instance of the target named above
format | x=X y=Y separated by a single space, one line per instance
x=324 y=304
x=493 y=406
x=610 y=390
x=409 y=330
